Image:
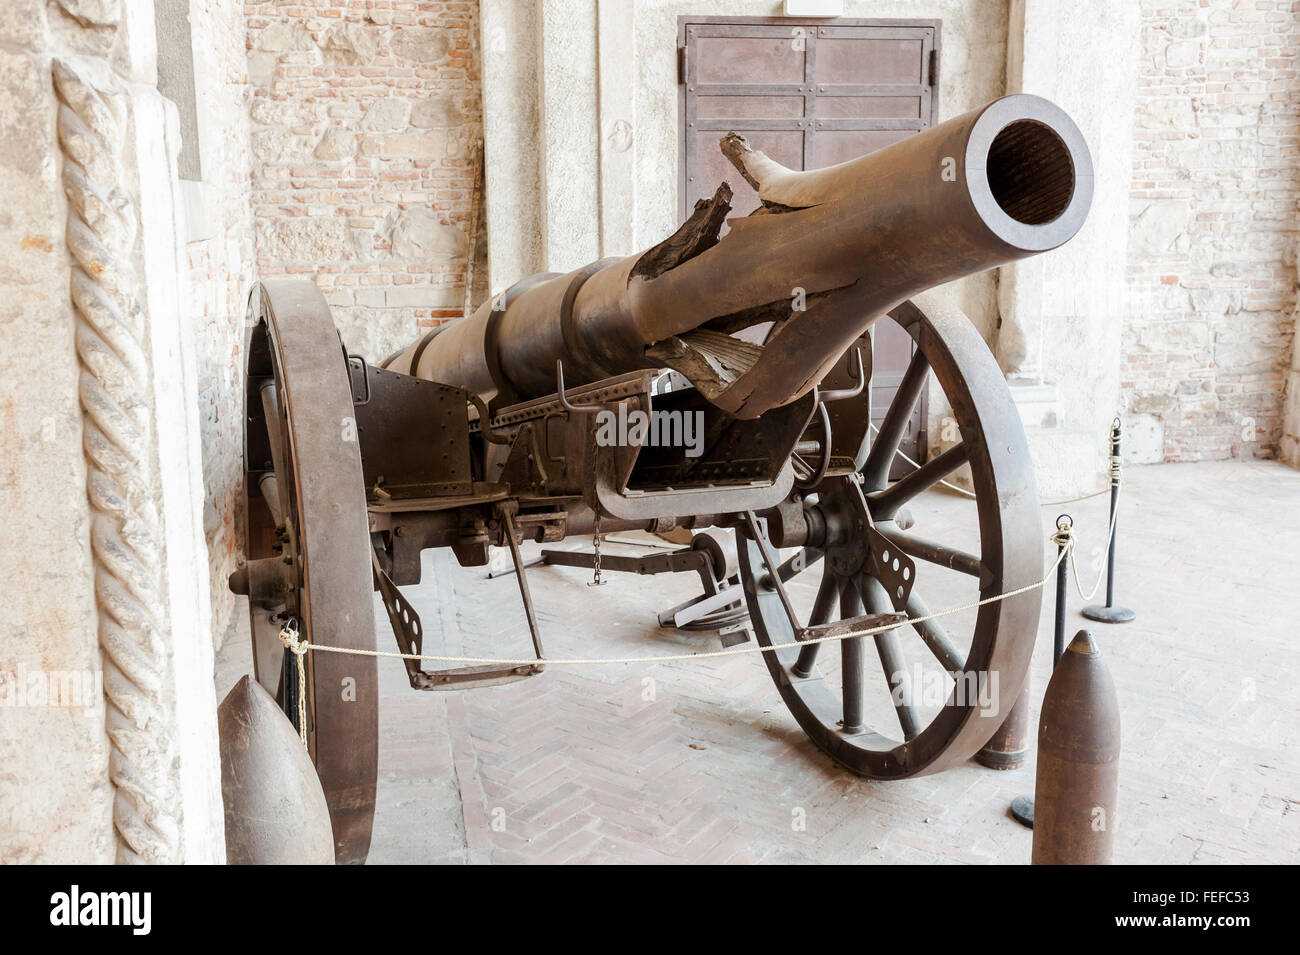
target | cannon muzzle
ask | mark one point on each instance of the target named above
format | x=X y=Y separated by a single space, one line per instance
x=756 y=317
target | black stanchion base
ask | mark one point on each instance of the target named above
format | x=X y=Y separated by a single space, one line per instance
x=1022 y=811
x=1105 y=614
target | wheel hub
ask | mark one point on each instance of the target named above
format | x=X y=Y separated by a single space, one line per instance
x=847 y=545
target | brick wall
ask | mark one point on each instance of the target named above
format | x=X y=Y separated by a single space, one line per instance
x=1214 y=227
x=366 y=120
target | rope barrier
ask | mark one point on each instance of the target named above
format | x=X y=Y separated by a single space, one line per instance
x=298 y=646
x=1074 y=562
x=1064 y=537
x=707 y=654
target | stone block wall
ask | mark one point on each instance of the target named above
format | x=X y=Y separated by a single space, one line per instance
x=366 y=120
x=1213 y=229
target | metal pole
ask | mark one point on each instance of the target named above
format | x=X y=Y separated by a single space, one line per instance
x=851 y=659
x=1063 y=523
x=1022 y=807
x=1111 y=613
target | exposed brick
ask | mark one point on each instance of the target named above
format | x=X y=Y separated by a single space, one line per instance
x=1214 y=191
x=375 y=134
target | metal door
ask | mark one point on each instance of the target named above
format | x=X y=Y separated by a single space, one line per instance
x=809 y=94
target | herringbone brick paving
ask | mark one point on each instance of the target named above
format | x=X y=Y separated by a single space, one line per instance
x=704 y=763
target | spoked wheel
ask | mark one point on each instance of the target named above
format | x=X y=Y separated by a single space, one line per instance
x=982 y=666
x=307 y=539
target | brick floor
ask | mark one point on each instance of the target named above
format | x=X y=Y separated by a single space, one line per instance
x=589 y=765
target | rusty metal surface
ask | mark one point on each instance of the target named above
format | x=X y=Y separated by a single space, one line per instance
x=1076 y=788
x=412 y=430
x=308 y=438
x=275 y=811
x=353 y=470
x=1008 y=748
x=855 y=254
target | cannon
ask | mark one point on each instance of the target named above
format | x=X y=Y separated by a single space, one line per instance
x=748 y=340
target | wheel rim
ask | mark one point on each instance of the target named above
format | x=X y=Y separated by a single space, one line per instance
x=1009 y=557
x=305 y=435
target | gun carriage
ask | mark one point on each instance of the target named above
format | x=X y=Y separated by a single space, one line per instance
x=485 y=433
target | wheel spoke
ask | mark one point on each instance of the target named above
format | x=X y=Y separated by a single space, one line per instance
x=851 y=653
x=934 y=552
x=954 y=360
x=885 y=503
x=934 y=636
x=796 y=565
x=275 y=436
x=875 y=470
x=827 y=593
x=891 y=660
x=269 y=486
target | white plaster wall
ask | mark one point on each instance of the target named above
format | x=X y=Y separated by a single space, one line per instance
x=511 y=34
x=570 y=116
x=181 y=481
x=190 y=701
x=1069 y=305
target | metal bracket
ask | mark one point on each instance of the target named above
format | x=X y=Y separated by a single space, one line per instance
x=720 y=607
x=409 y=632
x=889 y=565
x=839 y=394
x=485 y=421
x=564 y=399
x=355 y=362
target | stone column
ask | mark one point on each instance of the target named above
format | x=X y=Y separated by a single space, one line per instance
x=513 y=138
x=1061 y=314
x=570 y=122
x=1289 y=445
x=616 y=59
x=103 y=544
x=558 y=102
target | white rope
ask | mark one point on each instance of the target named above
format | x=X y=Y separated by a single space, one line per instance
x=299 y=646
x=708 y=654
x=1074 y=561
x=1063 y=536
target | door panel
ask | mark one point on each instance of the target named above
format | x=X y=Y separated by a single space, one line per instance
x=809 y=94
x=841 y=145
x=709 y=167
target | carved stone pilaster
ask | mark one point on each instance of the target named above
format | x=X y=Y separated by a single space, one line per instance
x=122 y=474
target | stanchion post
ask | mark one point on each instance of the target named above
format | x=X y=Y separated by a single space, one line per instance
x=1022 y=807
x=1110 y=613
x=1064 y=525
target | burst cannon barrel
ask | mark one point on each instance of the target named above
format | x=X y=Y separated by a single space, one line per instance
x=847 y=243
